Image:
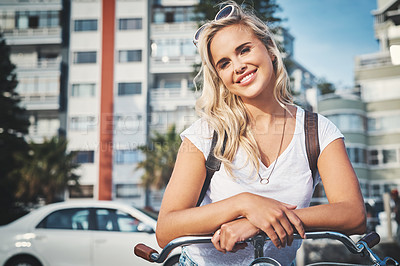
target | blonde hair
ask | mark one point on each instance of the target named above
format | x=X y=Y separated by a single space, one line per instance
x=224 y=111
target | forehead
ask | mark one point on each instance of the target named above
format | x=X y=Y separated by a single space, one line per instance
x=229 y=38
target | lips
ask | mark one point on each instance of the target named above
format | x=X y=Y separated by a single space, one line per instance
x=246 y=77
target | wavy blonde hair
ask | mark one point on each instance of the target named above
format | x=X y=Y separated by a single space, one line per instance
x=225 y=112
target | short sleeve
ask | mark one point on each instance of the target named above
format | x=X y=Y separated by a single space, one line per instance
x=327 y=132
x=200 y=135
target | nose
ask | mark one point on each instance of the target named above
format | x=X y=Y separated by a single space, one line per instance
x=240 y=67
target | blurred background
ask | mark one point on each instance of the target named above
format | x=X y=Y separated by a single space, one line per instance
x=94 y=94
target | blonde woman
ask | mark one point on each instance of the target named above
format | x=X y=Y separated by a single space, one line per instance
x=265 y=183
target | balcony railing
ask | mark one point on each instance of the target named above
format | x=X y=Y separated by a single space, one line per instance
x=373 y=60
x=45 y=101
x=43 y=64
x=173 y=27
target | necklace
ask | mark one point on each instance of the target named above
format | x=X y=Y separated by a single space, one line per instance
x=265 y=181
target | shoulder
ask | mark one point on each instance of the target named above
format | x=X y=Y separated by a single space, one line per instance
x=199 y=134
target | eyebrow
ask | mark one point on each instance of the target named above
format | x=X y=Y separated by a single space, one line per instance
x=237 y=49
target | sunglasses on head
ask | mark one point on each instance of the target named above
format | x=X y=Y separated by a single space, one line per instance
x=225 y=12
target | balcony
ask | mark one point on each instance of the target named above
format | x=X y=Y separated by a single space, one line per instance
x=33 y=36
x=368 y=61
x=170 y=99
x=40 y=101
x=172 y=64
x=40 y=65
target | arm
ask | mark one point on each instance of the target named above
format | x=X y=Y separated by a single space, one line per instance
x=346 y=210
x=179 y=216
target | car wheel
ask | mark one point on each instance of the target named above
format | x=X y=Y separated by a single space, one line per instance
x=173 y=261
x=23 y=261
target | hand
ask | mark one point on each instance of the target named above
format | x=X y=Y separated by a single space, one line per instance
x=226 y=238
x=275 y=218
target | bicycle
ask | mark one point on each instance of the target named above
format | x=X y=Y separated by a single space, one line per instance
x=362 y=247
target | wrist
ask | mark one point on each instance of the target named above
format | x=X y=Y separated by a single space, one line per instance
x=243 y=203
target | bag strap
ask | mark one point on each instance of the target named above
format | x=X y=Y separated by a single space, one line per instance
x=312 y=141
x=212 y=165
x=312 y=148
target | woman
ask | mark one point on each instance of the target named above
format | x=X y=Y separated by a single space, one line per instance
x=264 y=182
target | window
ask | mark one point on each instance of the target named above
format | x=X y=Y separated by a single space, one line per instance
x=127 y=156
x=383 y=156
x=127 y=124
x=383 y=123
x=127 y=191
x=82 y=123
x=348 y=122
x=116 y=220
x=130 y=56
x=85 y=57
x=357 y=155
x=83 y=90
x=72 y=219
x=130 y=24
x=37 y=19
x=85 y=25
x=129 y=88
x=81 y=191
x=373 y=157
x=84 y=157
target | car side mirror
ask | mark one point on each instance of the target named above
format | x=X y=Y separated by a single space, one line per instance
x=145 y=228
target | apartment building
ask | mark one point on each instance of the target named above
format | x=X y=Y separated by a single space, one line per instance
x=34 y=33
x=107 y=96
x=369 y=115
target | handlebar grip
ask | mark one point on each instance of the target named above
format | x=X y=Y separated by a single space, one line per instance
x=371 y=239
x=143 y=251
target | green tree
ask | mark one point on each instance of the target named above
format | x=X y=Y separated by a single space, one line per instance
x=325 y=87
x=159 y=161
x=46 y=172
x=13 y=126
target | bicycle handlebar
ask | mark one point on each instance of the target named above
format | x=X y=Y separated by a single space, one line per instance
x=152 y=255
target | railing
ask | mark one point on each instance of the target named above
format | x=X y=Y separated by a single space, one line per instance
x=173 y=27
x=56 y=31
x=373 y=60
x=40 y=64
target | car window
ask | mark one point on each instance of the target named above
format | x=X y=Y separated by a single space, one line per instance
x=116 y=220
x=72 y=219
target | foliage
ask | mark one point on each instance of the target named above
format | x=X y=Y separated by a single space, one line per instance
x=325 y=87
x=47 y=170
x=13 y=126
x=160 y=158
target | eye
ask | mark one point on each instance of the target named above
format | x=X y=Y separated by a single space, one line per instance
x=245 y=50
x=223 y=65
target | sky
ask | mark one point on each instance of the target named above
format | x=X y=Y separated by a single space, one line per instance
x=329 y=34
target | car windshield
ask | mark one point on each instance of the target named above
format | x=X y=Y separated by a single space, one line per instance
x=153 y=214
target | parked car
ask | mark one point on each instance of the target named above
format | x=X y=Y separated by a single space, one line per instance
x=76 y=233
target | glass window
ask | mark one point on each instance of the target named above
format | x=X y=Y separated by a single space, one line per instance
x=130 y=56
x=130 y=24
x=127 y=156
x=83 y=123
x=127 y=190
x=72 y=219
x=84 y=157
x=389 y=156
x=127 y=123
x=85 y=25
x=85 y=57
x=83 y=90
x=129 y=88
x=115 y=220
x=81 y=191
x=373 y=157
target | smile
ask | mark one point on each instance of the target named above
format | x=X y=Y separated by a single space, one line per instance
x=247 y=78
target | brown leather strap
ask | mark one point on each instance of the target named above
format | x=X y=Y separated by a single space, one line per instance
x=312 y=141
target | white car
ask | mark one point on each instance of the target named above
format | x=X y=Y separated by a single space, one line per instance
x=86 y=233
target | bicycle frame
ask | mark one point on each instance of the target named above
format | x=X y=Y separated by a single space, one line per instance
x=362 y=247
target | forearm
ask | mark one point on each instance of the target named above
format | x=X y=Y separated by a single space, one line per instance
x=197 y=220
x=344 y=217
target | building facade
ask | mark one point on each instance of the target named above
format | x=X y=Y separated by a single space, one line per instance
x=34 y=34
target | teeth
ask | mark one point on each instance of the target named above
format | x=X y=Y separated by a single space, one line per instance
x=246 y=78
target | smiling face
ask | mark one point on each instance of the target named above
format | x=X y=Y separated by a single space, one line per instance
x=243 y=63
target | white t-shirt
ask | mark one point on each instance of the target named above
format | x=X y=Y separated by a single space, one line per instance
x=290 y=182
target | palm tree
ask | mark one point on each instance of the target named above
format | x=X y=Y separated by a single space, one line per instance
x=160 y=157
x=47 y=170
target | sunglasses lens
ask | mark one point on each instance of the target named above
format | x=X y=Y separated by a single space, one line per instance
x=198 y=33
x=224 y=13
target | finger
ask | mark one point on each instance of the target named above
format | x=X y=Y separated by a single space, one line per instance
x=289 y=206
x=297 y=223
x=280 y=231
x=273 y=236
x=216 y=241
x=287 y=226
